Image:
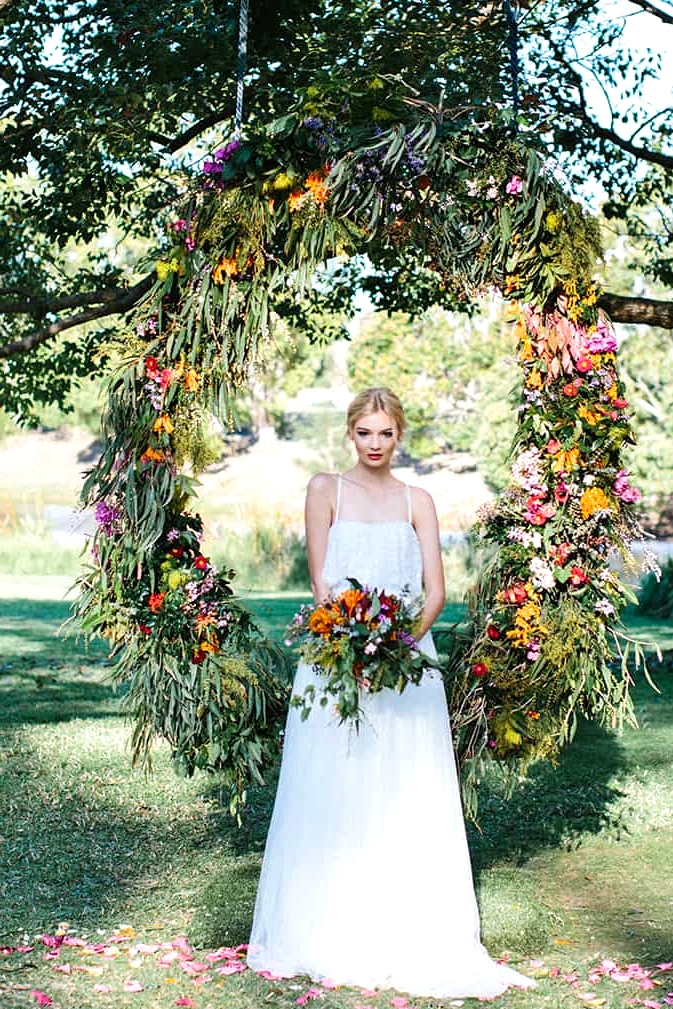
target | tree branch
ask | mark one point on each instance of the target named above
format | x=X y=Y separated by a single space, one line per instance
x=40 y=305
x=125 y=300
x=606 y=132
x=650 y=8
x=637 y=311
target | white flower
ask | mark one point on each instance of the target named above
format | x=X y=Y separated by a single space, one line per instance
x=604 y=606
x=472 y=187
x=588 y=479
x=492 y=193
x=543 y=576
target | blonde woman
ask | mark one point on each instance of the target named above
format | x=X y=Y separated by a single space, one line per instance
x=366 y=878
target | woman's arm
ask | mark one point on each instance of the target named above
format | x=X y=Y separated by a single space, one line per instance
x=425 y=523
x=318 y=512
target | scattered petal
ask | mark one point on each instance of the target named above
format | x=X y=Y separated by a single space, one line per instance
x=399 y=1002
x=660 y=966
x=131 y=985
x=41 y=997
x=328 y=983
x=63 y=968
x=102 y=988
x=186 y=1001
x=231 y=968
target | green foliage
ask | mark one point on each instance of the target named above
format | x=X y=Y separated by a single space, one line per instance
x=454 y=376
x=655 y=597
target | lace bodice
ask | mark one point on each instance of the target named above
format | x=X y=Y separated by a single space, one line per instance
x=384 y=555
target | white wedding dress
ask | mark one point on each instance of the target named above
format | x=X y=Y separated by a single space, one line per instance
x=366 y=878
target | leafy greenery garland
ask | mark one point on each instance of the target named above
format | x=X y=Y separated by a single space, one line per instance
x=455 y=202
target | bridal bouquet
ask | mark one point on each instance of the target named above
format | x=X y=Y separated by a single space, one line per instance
x=361 y=640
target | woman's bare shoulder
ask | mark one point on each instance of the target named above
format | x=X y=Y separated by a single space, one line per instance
x=322 y=486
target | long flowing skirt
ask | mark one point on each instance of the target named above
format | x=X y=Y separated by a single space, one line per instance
x=366 y=878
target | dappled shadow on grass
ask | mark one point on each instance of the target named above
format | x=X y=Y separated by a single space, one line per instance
x=554 y=806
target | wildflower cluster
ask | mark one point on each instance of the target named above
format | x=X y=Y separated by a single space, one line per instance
x=545 y=612
x=360 y=642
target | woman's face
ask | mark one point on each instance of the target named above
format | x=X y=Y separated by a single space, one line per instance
x=374 y=436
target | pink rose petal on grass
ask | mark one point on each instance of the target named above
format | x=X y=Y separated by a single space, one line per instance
x=63 y=968
x=41 y=997
x=193 y=966
x=185 y=1001
x=231 y=968
x=102 y=988
x=399 y=1002
x=651 y=1004
x=369 y=992
x=131 y=985
x=660 y=966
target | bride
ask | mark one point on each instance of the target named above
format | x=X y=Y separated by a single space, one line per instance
x=366 y=878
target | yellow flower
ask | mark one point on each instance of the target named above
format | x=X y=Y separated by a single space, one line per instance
x=164 y=424
x=534 y=380
x=565 y=460
x=166 y=266
x=590 y=298
x=511 y=736
x=593 y=500
x=281 y=181
x=176 y=579
x=554 y=221
x=191 y=380
x=612 y=392
x=591 y=416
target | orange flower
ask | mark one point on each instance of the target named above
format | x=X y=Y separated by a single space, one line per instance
x=321 y=621
x=295 y=199
x=164 y=424
x=209 y=646
x=152 y=455
x=225 y=268
x=317 y=186
x=350 y=600
x=534 y=380
x=156 y=601
x=191 y=380
x=593 y=500
x=204 y=620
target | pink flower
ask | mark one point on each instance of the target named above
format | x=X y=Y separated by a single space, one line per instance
x=185 y=1001
x=584 y=365
x=131 y=985
x=41 y=997
x=514 y=186
x=553 y=446
x=399 y=1002
x=103 y=989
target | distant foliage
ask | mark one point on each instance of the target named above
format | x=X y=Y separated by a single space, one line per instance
x=655 y=597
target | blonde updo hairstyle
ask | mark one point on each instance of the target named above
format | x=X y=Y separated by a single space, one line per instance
x=371 y=401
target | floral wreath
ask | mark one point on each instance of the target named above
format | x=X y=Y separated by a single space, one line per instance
x=456 y=202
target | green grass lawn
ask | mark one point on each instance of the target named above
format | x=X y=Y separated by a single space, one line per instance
x=575 y=869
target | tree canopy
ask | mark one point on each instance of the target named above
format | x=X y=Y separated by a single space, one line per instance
x=108 y=109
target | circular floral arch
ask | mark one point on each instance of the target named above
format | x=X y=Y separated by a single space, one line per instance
x=446 y=205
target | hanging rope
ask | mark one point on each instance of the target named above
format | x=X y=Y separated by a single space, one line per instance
x=241 y=65
x=513 y=22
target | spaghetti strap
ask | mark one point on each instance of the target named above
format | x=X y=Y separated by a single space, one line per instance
x=409 y=512
x=338 y=500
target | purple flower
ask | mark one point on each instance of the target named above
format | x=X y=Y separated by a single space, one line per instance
x=173 y=535
x=602 y=341
x=408 y=639
x=226 y=152
x=313 y=123
x=107 y=517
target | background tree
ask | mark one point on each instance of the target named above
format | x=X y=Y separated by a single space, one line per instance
x=108 y=108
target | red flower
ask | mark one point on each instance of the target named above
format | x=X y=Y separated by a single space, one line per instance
x=176 y=551
x=583 y=365
x=621 y=404
x=201 y=562
x=480 y=669
x=572 y=388
x=578 y=577
x=152 y=367
x=516 y=593
x=560 y=553
x=145 y=629
x=198 y=656
x=156 y=601
x=493 y=632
